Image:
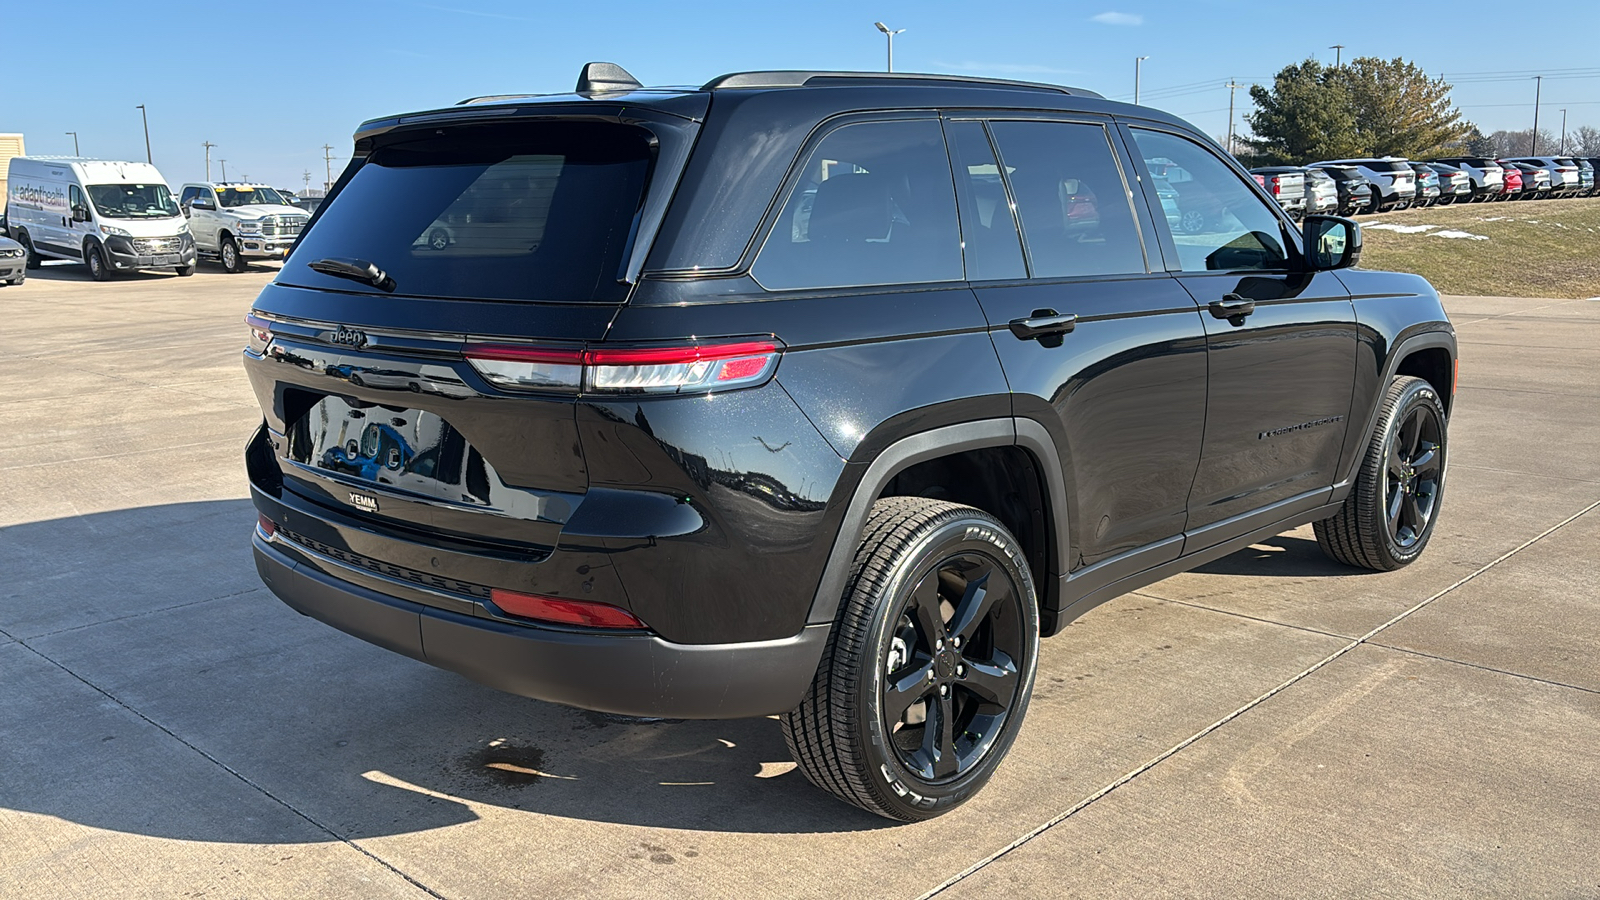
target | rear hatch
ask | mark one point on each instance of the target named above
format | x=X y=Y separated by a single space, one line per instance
x=505 y=234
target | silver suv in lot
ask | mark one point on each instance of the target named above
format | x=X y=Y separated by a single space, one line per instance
x=1566 y=179
x=1488 y=176
x=1392 y=178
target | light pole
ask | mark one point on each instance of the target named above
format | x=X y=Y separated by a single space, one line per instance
x=1563 y=150
x=1136 y=61
x=74 y=142
x=1538 y=81
x=1231 y=86
x=224 y=170
x=145 y=116
x=208 y=145
x=890 y=35
x=1338 y=54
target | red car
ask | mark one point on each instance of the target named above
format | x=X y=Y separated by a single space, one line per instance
x=1512 y=186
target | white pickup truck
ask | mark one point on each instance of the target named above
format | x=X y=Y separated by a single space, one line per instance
x=235 y=223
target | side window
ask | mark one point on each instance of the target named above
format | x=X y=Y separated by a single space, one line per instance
x=74 y=197
x=1216 y=221
x=874 y=205
x=988 y=228
x=1076 y=215
x=188 y=195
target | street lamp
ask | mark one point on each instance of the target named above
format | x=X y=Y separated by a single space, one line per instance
x=1338 y=54
x=1136 y=61
x=1563 y=150
x=74 y=142
x=143 y=115
x=890 y=35
x=1538 y=86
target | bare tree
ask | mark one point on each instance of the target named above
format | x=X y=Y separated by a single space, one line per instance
x=1585 y=141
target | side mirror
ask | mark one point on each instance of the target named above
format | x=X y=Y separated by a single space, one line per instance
x=186 y=212
x=80 y=214
x=1331 y=242
x=203 y=204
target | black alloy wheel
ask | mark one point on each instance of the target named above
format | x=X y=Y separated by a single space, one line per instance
x=1392 y=508
x=929 y=667
x=1413 y=474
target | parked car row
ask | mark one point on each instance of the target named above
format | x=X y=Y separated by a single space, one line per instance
x=1380 y=185
x=122 y=217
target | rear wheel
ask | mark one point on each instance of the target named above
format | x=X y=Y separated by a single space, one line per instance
x=32 y=255
x=94 y=256
x=930 y=665
x=1386 y=521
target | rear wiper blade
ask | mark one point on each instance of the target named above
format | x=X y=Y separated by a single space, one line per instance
x=356 y=270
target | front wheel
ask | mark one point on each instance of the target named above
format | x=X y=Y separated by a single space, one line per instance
x=232 y=261
x=95 y=258
x=185 y=271
x=1386 y=521
x=929 y=667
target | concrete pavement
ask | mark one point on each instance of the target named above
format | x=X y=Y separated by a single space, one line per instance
x=168 y=728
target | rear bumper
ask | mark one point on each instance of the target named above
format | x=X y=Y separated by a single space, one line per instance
x=614 y=672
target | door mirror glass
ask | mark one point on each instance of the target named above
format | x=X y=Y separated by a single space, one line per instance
x=1332 y=242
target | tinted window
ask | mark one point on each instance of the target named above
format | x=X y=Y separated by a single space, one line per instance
x=500 y=212
x=189 y=193
x=988 y=229
x=874 y=205
x=1216 y=221
x=1071 y=198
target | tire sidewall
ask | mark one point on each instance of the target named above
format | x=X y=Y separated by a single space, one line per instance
x=1417 y=393
x=908 y=795
x=95 y=259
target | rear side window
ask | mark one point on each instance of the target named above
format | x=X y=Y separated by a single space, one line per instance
x=1071 y=198
x=988 y=229
x=1217 y=223
x=536 y=212
x=874 y=205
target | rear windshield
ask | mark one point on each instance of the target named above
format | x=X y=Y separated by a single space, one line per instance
x=534 y=212
x=1385 y=165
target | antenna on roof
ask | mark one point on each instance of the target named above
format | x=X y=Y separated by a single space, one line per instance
x=599 y=77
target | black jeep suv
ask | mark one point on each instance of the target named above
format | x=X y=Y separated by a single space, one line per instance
x=817 y=394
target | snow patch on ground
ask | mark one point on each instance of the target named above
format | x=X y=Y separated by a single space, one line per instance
x=1461 y=234
x=1403 y=229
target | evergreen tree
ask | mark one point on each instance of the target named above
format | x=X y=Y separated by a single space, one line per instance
x=1305 y=116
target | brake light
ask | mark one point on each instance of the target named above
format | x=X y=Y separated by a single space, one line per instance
x=657 y=370
x=1276 y=186
x=563 y=612
x=267 y=526
x=260 y=333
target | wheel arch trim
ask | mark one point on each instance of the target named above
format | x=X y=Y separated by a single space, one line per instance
x=932 y=444
x=1424 y=341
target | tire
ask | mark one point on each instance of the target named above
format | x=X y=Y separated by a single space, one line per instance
x=439 y=239
x=185 y=271
x=17 y=280
x=32 y=259
x=892 y=661
x=95 y=258
x=1192 y=222
x=1386 y=521
x=233 y=262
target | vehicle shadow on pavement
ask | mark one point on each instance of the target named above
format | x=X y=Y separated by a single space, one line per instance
x=1283 y=556
x=210 y=673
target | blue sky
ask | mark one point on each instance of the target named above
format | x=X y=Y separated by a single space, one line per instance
x=271 y=82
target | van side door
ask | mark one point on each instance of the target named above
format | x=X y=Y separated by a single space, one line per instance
x=80 y=220
x=1280 y=340
x=1100 y=345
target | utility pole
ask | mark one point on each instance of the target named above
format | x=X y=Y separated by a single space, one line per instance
x=74 y=142
x=890 y=35
x=208 y=145
x=1231 y=86
x=1563 y=150
x=1538 y=82
x=1338 y=54
x=305 y=178
x=143 y=115
x=327 y=160
x=1136 y=61
x=224 y=170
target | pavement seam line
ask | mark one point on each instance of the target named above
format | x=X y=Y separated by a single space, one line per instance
x=1519 y=312
x=1240 y=615
x=1164 y=755
x=1482 y=667
x=140 y=615
x=235 y=773
x=58 y=462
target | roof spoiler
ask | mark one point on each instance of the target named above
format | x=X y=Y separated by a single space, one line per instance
x=601 y=77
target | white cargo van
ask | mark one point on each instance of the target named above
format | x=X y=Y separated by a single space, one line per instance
x=111 y=216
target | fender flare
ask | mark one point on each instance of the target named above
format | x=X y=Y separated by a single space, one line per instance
x=1408 y=346
x=943 y=441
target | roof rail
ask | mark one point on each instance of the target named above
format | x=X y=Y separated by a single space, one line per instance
x=495 y=98
x=804 y=78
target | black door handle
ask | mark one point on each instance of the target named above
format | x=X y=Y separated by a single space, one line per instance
x=1233 y=308
x=1042 y=324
